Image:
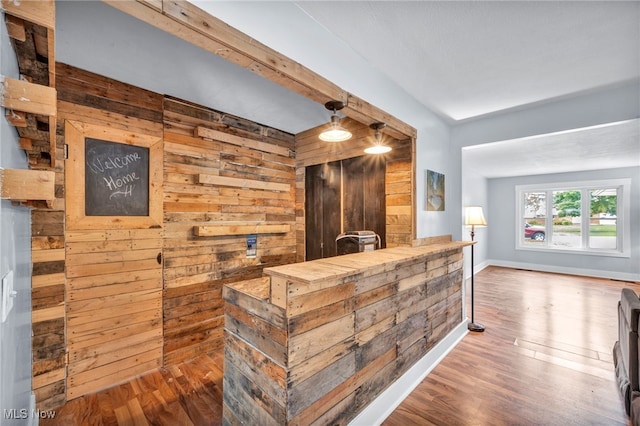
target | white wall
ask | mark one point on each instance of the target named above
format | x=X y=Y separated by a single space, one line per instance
x=502 y=242
x=274 y=23
x=605 y=106
x=15 y=255
x=474 y=193
x=599 y=107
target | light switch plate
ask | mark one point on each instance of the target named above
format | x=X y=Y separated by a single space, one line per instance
x=8 y=294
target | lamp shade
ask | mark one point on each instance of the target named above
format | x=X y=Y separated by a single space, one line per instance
x=335 y=132
x=473 y=216
x=378 y=147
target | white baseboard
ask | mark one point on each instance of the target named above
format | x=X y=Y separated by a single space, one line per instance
x=621 y=276
x=381 y=407
x=479 y=267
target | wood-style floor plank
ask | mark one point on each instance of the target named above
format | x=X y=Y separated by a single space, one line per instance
x=544 y=359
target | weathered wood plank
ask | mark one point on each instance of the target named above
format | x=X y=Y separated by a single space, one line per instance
x=47 y=314
x=15 y=28
x=89 y=346
x=106 y=314
x=206 y=133
x=103 y=359
x=306 y=345
x=109 y=268
x=242 y=183
x=27 y=97
x=78 y=326
x=260 y=369
x=95 y=281
x=117 y=373
x=224 y=228
x=40 y=12
x=255 y=306
x=27 y=184
x=247 y=400
x=323 y=382
x=48 y=378
x=319 y=299
x=273 y=349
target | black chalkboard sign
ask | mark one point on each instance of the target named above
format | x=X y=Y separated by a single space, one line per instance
x=116 y=179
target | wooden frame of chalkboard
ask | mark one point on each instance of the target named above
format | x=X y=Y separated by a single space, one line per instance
x=113 y=178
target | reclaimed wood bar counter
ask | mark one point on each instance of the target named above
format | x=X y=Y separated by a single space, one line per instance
x=316 y=342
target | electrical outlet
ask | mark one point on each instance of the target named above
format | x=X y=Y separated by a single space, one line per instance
x=8 y=294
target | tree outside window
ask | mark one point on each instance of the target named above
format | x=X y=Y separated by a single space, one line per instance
x=585 y=217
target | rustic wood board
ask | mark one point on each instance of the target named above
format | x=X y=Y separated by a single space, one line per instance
x=27 y=184
x=221 y=173
x=348 y=334
x=309 y=271
x=215 y=230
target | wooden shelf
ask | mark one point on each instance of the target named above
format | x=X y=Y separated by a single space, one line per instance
x=31 y=27
x=242 y=183
x=27 y=97
x=226 y=228
x=39 y=12
x=27 y=185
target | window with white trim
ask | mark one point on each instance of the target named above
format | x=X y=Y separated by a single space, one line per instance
x=590 y=217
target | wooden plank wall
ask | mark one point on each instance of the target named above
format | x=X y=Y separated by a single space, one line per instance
x=236 y=173
x=113 y=279
x=47 y=301
x=86 y=97
x=31 y=30
x=31 y=27
x=399 y=181
x=399 y=190
x=338 y=344
x=226 y=173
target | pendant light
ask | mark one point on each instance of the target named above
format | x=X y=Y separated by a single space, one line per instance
x=335 y=133
x=378 y=147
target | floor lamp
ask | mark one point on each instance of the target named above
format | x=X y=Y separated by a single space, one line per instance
x=473 y=216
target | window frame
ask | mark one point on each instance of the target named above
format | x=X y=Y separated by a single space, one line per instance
x=623 y=235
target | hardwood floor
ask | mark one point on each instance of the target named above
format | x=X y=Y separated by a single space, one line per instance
x=183 y=395
x=544 y=359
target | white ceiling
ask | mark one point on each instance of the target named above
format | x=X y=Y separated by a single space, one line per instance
x=465 y=59
x=461 y=59
x=571 y=151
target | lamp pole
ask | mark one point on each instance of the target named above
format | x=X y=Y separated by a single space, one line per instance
x=473 y=326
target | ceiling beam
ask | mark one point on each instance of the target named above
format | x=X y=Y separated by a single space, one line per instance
x=188 y=22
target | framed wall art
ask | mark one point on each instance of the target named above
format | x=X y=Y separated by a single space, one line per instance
x=435 y=191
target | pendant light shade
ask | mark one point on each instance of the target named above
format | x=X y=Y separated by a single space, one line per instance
x=335 y=133
x=378 y=147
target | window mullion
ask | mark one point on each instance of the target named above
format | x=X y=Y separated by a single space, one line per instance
x=620 y=216
x=585 y=216
x=548 y=224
